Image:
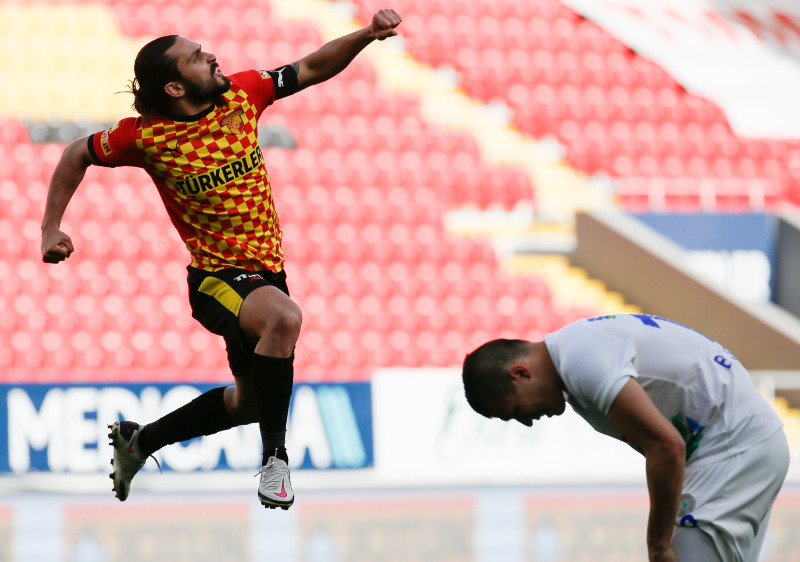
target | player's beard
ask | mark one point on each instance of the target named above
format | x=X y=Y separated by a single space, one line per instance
x=206 y=92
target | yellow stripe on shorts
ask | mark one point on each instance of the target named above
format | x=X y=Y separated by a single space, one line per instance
x=222 y=293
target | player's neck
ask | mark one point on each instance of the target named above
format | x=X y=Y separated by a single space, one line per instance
x=186 y=110
x=544 y=363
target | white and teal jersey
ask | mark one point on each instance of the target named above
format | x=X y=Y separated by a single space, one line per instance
x=694 y=381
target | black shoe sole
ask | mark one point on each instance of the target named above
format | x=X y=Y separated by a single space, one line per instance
x=270 y=505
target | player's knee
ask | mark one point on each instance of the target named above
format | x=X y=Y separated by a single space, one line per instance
x=240 y=403
x=285 y=324
x=244 y=410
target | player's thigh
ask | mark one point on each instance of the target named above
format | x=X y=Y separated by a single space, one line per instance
x=753 y=551
x=730 y=499
x=693 y=545
x=217 y=298
x=269 y=308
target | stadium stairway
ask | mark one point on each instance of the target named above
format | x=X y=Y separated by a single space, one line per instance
x=571 y=284
x=55 y=79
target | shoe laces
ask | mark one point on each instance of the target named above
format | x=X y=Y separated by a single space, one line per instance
x=272 y=475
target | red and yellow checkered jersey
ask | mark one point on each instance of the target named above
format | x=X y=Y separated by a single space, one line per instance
x=210 y=174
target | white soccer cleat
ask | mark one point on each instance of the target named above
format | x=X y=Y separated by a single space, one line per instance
x=127 y=459
x=275 y=487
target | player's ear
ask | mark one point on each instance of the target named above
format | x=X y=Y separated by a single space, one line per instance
x=519 y=372
x=175 y=89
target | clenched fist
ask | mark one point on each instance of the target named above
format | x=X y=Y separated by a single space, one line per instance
x=383 y=24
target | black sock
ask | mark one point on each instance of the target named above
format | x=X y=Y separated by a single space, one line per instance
x=205 y=415
x=272 y=380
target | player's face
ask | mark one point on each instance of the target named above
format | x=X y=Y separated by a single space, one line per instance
x=531 y=399
x=202 y=76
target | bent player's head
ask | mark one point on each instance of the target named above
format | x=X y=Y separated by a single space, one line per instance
x=173 y=67
x=513 y=380
x=487 y=374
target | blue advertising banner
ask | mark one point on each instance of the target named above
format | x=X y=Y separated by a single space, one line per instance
x=734 y=251
x=64 y=428
x=717 y=231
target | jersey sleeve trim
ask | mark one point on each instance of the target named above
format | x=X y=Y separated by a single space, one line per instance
x=93 y=153
x=614 y=389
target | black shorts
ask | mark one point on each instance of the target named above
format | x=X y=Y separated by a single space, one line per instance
x=216 y=300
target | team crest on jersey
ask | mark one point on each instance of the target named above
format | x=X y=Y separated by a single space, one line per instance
x=234 y=122
x=686 y=505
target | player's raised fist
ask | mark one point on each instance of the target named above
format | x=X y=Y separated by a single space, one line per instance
x=384 y=23
x=56 y=247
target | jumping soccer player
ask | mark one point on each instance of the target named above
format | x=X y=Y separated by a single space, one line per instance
x=716 y=454
x=197 y=138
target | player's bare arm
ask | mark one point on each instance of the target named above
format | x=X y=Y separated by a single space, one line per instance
x=648 y=431
x=334 y=56
x=57 y=245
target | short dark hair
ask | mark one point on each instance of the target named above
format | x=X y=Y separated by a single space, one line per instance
x=486 y=373
x=153 y=69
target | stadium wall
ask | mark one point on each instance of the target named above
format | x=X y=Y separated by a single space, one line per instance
x=651 y=271
x=787 y=258
x=339 y=435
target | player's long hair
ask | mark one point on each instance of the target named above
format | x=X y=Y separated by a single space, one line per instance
x=154 y=69
x=486 y=373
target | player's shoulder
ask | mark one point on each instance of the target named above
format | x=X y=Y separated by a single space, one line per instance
x=617 y=322
x=247 y=79
x=617 y=327
x=126 y=124
x=125 y=127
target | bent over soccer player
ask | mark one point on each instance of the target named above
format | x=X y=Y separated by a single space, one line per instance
x=716 y=454
x=197 y=138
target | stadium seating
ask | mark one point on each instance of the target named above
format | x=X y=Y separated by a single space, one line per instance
x=362 y=197
x=361 y=201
